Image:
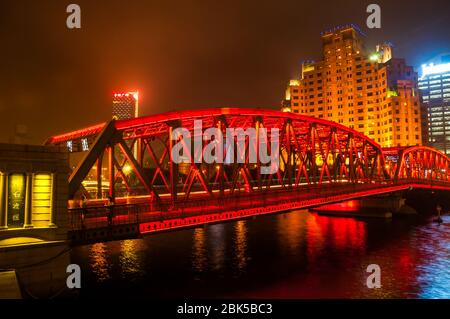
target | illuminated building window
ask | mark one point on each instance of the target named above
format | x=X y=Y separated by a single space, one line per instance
x=42 y=200
x=84 y=144
x=70 y=146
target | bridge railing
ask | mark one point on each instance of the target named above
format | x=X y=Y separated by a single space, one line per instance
x=104 y=216
x=135 y=213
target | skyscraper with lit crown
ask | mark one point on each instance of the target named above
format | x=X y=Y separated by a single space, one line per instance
x=125 y=105
x=371 y=92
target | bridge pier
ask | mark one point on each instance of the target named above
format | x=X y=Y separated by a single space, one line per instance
x=394 y=203
x=383 y=206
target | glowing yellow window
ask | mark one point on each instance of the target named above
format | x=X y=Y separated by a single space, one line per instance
x=42 y=200
x=16 y=201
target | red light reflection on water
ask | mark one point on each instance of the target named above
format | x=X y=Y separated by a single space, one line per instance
x=342 y=232
x=347 y=206
x=321 y=236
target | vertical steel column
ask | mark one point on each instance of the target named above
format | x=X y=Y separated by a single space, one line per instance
x=289 y=152
x=139 y=152
x=173 y=168
x=312 y=138
x=351 y=172
x=99 y=176
x=111 y=171
x=333 y=150
x=258 y=159
x=366 y=160
x=220 y=165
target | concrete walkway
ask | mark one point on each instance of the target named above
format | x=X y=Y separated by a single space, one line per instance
x=9 y=286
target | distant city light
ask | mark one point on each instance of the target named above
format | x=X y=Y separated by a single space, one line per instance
x=127 y=169
x=374 y=57
x=84 y=144
x=431 y=68
x=135 y=94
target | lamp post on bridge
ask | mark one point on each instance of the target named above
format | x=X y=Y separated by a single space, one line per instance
x=439 y=209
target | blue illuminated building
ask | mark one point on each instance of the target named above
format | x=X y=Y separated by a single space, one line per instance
x=434 y=85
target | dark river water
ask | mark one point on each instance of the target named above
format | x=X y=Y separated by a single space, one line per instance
x=292 y=255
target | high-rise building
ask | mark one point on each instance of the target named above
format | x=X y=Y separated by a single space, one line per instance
x=434 y=84
x=371 y=92
x=125 y=105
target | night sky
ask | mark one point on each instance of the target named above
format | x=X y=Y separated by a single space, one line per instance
x=179 y=54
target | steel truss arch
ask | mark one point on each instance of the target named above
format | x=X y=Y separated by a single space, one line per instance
x=313 y=152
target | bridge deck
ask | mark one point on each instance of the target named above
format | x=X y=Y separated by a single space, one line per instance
x=149 y=218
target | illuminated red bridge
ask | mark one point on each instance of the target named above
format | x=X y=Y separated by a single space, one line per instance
x=321 y=162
